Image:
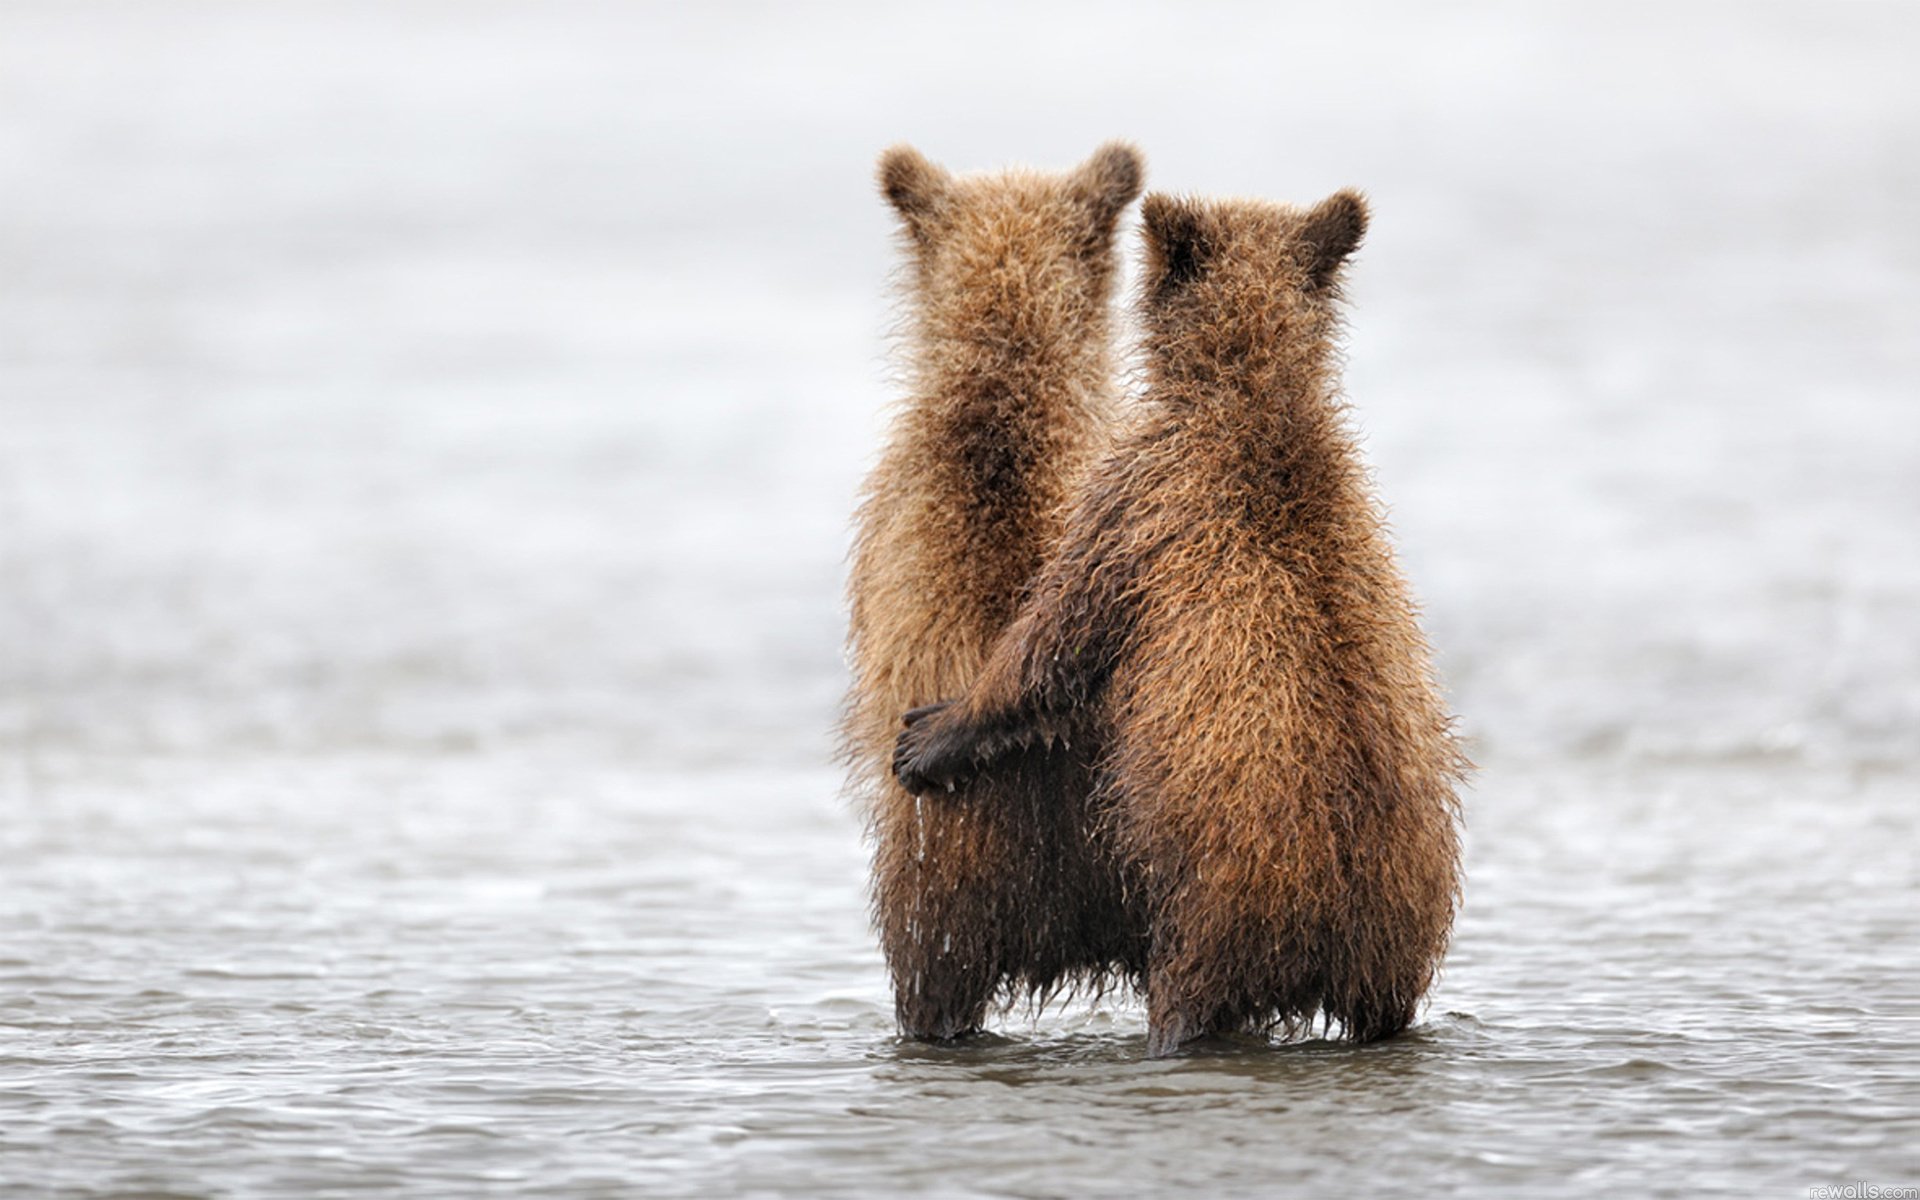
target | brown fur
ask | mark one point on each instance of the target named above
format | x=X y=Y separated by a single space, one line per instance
x=1225 y=630
x=1011 y=281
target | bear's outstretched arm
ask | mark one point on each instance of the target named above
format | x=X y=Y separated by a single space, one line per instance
x=1045 y=671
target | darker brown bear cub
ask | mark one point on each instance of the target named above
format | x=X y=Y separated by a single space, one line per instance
x=1224 y=631
x=1009 y=286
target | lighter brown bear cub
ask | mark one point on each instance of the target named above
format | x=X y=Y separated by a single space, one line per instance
x=1224 y=629
x=1010 y=287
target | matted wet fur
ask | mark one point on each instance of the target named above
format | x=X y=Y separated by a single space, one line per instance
x=1225 y=631
x=1009 y=296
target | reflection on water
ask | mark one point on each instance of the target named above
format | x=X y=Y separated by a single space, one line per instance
x=427 y=435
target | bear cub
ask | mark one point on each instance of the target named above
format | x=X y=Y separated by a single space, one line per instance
x=1009 y=280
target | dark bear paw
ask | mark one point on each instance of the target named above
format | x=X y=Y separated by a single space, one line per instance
x=934 y=752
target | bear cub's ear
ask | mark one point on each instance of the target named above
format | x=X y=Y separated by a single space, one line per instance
x=914 y=186
x=1178 y=247
x=1330 y=233
x=1110 y=180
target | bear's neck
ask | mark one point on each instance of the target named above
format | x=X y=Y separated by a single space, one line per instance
x=997 y=377
x=1265 y=414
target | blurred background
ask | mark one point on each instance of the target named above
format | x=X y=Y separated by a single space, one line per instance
x=428 y=434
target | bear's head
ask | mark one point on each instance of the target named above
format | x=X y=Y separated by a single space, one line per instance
x=1012 y=260
x=1222 y=274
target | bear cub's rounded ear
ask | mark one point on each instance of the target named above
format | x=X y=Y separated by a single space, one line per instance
x=1331 y=232
x=914 y=186
x=1111 y=178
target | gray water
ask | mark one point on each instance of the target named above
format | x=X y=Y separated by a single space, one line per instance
x=427 y=437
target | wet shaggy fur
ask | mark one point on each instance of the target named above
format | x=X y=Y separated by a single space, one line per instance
x=1010 y=282
x=1225 y=633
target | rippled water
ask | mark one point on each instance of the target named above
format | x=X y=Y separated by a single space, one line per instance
x=427 y=435
x=368 y=972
